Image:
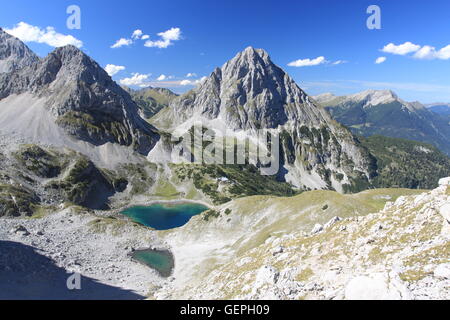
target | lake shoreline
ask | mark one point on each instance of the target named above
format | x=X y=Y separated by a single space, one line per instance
x=164 y=252
x=167 y=202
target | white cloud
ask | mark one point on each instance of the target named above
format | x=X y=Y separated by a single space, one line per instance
x=137 y=79
x=122 y=42
x=192 y=82
x=307 y=62
x=168 y=83
x=444 y=53
x=162 y=77
x=339 y=62
x=425 y=52
x=112 y=69
x=167 y=38
x=191 y=75
x=186 y=82
x=49 y=36
x=429 y=52
x=380 y=60
x=137 y=34
x=172 y=34
x=401 y=49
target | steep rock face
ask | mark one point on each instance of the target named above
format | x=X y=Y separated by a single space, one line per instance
x=249 y=93
x=14 y=54
x=83 y=99
x=383 y=112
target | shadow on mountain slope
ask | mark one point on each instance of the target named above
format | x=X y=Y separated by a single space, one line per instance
x=25 y=274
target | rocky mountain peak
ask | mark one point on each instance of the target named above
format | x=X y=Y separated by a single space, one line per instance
x=14 y=54
x=250 y=92
x=375 y=97
x=324 y=97
x=75 y=65
x=82 y=98
x=250 y=62
x=250 y=57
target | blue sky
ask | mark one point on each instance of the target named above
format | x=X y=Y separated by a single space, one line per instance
x=205 y=34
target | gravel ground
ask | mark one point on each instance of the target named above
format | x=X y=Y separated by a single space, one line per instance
x=36 y=256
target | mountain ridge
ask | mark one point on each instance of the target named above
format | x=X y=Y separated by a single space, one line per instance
x=151 y=100
x=248 y=93
x=81 y=99
x=383 y=112
x=14 y=54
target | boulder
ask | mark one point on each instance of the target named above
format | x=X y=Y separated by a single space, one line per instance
x=373 y=287
x=332 y=222
x=317 y=228
x=21 y=230
x=442 y=271
x=266 y=275
x=277 y=250
x=444 y=182
x=445 y=212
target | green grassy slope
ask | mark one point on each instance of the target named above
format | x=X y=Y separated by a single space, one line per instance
x=406 y=164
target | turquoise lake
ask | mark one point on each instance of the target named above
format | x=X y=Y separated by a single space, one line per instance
x=161 y=261
x=164 y=216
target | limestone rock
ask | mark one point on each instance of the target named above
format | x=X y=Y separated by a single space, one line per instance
x=316 y=229
x=332 y=222
x=81 y=98
x=445 y=212
x=373 y=287
x=250 y=93
x=444 y=182
x=14 y=54
x=442 y=271
x=20 y=230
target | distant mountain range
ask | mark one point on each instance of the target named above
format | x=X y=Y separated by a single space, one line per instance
x=151 y=100
x=66 y=102
x=384 y=113
x=440 y=108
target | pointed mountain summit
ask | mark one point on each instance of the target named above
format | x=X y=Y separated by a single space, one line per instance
x=14 y=54
x=249 y=93
x=70 y=90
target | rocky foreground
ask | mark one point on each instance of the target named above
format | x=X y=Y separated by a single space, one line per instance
x=401 y=252
x=38 y=255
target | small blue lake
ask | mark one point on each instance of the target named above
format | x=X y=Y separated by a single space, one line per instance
x=161 y=261
x=162 y=216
